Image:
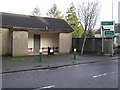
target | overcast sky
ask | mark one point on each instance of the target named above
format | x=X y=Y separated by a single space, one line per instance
x=27 y=6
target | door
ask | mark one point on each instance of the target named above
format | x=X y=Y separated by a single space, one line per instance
x=36 y=43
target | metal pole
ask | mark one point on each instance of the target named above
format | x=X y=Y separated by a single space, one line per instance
x=112 y=45
x=75 y=53
x=113 y=38
x=112 y=9
x=102 y=40
x=102 y=44
x=112 y=35
x=40 y=55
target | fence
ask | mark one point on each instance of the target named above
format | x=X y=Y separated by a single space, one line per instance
x=93 y=45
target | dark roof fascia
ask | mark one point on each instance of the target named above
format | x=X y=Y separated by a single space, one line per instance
x=6 y=26
x=34 y=29
x=42 y=29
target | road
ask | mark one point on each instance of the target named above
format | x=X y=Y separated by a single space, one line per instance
x=92 y=75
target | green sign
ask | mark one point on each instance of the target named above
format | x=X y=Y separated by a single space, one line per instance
x=109 y=33
x=107 y=23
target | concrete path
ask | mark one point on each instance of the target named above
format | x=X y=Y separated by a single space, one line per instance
x=18 y=64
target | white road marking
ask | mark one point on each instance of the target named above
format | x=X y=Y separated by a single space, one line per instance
x=100 y=75
x=113 y=72
x=48 y=87
x=115 y=60
x=44 y=87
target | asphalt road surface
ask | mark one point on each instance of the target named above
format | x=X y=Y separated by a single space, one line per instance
x=92 y=75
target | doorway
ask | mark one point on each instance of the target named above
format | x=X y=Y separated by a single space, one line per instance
x=36 y=43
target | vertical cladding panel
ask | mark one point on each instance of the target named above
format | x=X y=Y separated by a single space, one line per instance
x=65 y=42
x=20 y=43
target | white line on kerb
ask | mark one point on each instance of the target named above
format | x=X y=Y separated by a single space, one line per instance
x=99 y=75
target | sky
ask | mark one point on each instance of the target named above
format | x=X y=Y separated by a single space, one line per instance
x=26 y=7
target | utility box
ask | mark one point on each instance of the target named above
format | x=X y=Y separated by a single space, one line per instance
x=50 y=51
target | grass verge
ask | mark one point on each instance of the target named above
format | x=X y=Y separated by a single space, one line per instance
x=18 y=58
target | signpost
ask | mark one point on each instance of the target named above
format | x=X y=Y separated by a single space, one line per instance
x=109 y=33
x=107 y=30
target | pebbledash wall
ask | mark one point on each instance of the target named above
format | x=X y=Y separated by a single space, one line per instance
x=20 y=43
x=5 y=41
x=65 y=42
x=17 y=42
x=49 y=39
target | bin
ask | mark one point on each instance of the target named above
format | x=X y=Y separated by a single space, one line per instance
x=50 y=51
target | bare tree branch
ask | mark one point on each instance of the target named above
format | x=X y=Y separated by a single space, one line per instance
x=88 y=13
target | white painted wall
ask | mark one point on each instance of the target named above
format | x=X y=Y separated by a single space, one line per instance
x=46 y=40
x=49 y=40
x=31 y=40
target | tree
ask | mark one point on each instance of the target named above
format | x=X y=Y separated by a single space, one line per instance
x=54 y=12
x=36 y=11
x=72 y=19
x=88 y=14
x=90 y=34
